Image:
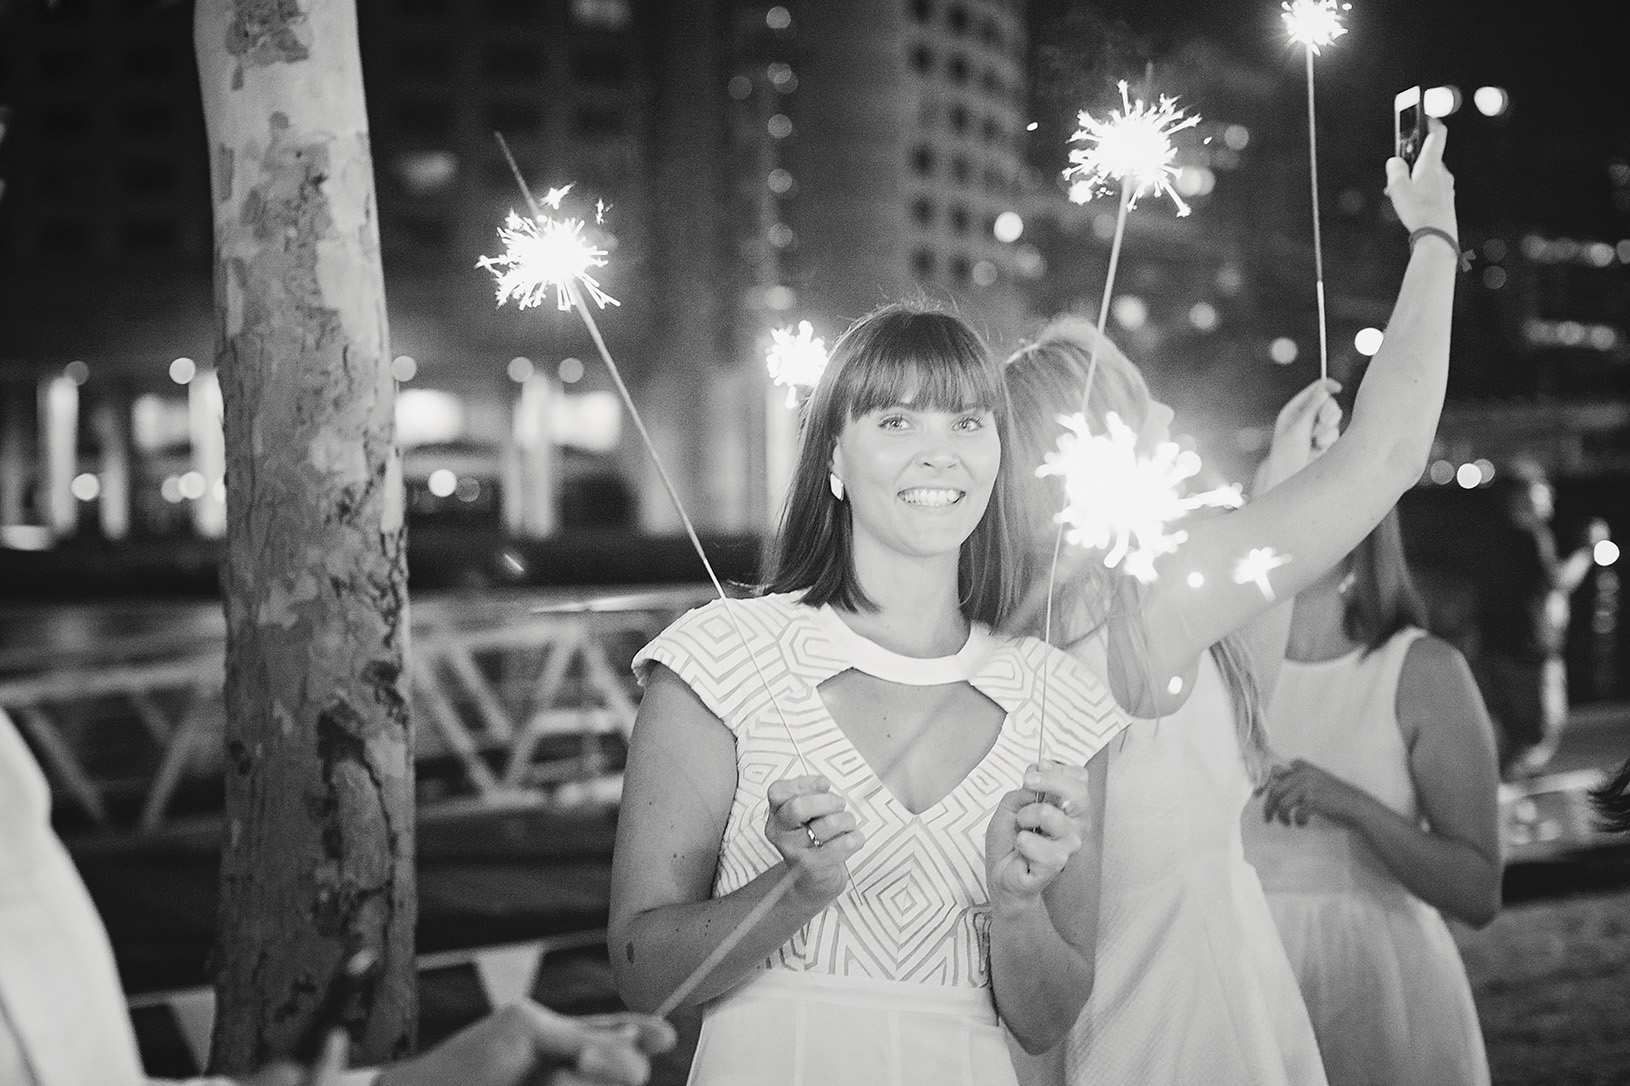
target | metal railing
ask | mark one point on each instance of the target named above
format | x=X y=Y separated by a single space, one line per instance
x=519 y=691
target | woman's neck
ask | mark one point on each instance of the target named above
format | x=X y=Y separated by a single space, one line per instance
x=1318 y=628
x=917 y=610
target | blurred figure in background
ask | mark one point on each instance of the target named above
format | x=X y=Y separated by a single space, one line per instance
x=1385 y=815
x=1523 y=614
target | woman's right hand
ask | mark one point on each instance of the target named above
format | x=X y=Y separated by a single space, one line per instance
x=1308 y=424
x=809 y=825
x=1424 y=196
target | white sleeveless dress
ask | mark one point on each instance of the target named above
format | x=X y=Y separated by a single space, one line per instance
x=1379 y=972
x=1192 y=988
x=890 y=984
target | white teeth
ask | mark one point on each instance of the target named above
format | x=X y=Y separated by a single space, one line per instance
x=923 y=495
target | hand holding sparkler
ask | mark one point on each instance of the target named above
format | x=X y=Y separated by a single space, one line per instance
x=1035 y=830
x=810 y=825
x=1308 y=424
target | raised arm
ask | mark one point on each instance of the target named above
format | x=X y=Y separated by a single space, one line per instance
x=677 y=793
x=1452 y=863
x=1317 y=515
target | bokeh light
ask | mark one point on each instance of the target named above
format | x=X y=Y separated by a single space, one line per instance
x=1491 y=101
x=404 y=367
x=183 y=370
x=1368 y=341
x=1008 y=227
x=442 y=483
x=570 y=371
x=1442 y=101
x=1283 y=350
x=1468 y=476
x=86 y=487
x=520 y=368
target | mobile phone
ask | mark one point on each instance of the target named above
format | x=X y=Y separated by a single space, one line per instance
x=1408 y=123
x=355 y=972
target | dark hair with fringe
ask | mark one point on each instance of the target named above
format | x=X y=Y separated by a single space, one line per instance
x=899 y=353
x=1612 y=801
x=1383 y=599
x=1045 y=380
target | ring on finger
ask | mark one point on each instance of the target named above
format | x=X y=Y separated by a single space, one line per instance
x=814 y=842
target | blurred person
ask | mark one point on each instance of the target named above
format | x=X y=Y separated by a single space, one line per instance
x=63 y=1019
x=1524 y=608
x=1386 y=816
x=934 y=885
x=1193 y=985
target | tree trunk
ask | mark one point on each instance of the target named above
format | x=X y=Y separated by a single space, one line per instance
x=318 y=856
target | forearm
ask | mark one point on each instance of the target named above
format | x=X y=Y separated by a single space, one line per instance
x=656 y=951
x=1450 y=875
x=1040 y=980
x=1395 y=413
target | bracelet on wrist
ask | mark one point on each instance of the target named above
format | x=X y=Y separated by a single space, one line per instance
x=1464 y=257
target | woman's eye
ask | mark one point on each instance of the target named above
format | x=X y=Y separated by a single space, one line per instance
x=971 y=422
x=892 y=422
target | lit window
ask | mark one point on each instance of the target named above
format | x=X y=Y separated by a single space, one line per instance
x=605 y=14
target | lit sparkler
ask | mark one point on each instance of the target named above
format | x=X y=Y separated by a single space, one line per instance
x=1255 y=567
x=1314 y=24
x=1133 y=146
x=796 y=360
x=545 y=253
x=529 y=275
x=1121 y=501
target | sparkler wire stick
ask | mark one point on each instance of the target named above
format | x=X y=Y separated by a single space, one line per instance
x=579 y=304
x=1318 y=242
x=727 y=944
x=1086 y=396
x=1313 y=24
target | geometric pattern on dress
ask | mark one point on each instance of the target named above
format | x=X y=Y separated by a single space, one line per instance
x=917 y=907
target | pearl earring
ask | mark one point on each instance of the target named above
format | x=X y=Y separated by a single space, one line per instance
x=836 y=484
x=1345 y=585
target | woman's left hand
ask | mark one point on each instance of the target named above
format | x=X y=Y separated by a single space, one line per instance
x=1036 y=830
x=1300 y=789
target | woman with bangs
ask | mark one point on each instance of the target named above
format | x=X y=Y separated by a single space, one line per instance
x=850 y=754
x=1192 y=984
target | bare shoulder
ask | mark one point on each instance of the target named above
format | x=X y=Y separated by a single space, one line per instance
x=1436 y=690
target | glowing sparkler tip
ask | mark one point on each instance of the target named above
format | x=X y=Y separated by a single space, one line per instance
x=1255 y=567
x=545 y=254
x=1132 y=146
x=796 y=359
x=1314 y=23
x=1122 y=501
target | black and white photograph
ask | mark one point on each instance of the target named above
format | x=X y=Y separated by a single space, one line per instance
x=814 y=543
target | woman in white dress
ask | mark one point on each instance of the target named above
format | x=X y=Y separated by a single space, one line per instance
x=1386 y=817
x=1191 y=986
x=921 y=884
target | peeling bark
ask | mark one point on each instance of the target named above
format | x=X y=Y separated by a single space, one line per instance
x=319 y=850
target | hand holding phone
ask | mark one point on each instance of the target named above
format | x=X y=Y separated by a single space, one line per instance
x=1409 y=123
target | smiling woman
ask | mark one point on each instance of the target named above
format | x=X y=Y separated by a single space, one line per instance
x=831 y=833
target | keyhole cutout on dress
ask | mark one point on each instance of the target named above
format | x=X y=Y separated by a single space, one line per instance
x=920 y=742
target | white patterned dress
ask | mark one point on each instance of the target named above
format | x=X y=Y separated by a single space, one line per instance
x=890 y=984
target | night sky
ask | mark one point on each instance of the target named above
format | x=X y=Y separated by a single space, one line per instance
x=1566 y=65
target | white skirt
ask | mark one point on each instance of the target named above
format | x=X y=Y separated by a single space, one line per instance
x=812 y=1029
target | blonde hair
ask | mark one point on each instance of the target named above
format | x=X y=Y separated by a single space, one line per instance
x=1045 y=379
